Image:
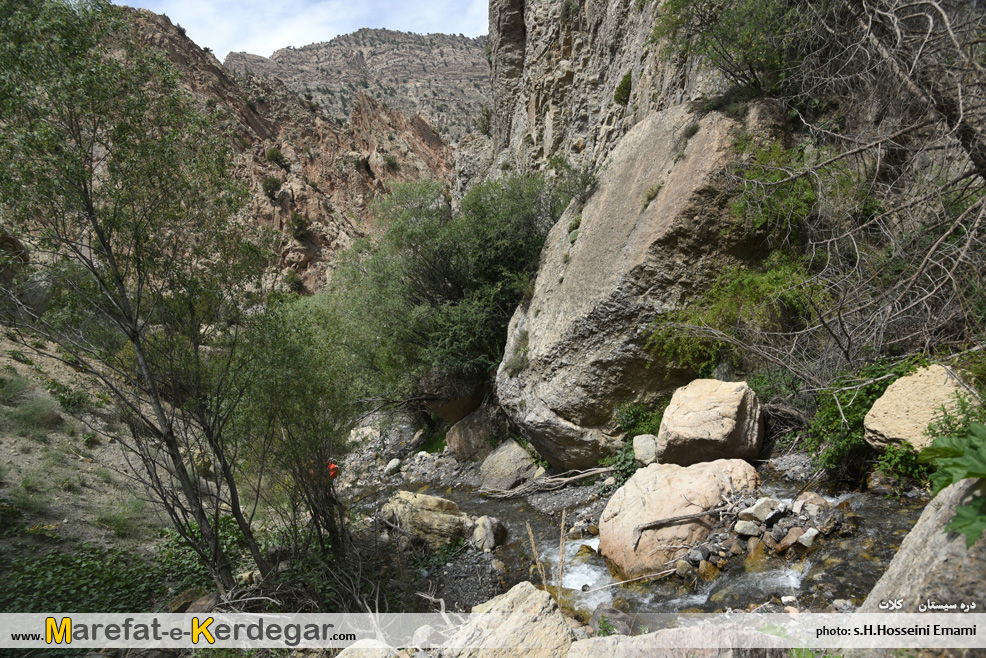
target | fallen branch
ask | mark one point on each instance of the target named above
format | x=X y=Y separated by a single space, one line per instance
x=661 y=574
x=639 y=530
x=546 y=483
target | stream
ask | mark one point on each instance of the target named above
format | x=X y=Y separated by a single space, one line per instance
x=835 y=568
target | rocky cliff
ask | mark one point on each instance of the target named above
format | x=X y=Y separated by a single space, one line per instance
x=442 y=77
x=651 y=236
x=327 y=173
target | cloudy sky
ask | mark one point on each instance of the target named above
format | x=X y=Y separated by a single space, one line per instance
x=263 y=26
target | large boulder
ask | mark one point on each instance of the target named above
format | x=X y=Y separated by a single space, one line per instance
x=662 y=491
x=647 y=241
x=525 y=621
x=436 y=520
x=708 y=420
x=472 y=438
x=908 y=405
x=508 y=466
x=932 y=563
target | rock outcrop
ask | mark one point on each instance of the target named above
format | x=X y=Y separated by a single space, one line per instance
x=524 y=621
x=435 y=520
x=708 y=420
x=663 y=491
x=327 y=172
x=932 y=563
x=905 y=409
x=472 y=438
x=648 y=239
x=443 y=77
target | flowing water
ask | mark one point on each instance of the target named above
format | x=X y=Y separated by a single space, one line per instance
x=836 y=568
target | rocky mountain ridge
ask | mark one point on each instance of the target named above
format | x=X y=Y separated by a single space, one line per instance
x=445 y=78
x=325 y=173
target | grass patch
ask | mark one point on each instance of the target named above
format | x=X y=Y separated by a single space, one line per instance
x=104 y=475
x=12 y=389
x=122 y=518
x=37 y=414
x=27 y=502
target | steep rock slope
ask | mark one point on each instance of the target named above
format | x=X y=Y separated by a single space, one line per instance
x=442 y=77
x=327 y=173
x=652 y=235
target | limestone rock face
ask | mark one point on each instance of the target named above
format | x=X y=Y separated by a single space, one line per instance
x=708 y=420
x=436 y=520
x=932 y=563
x=647 y=239
x=507 y=466
x=471 y=438
x=525 y=621
x=662 y=491
x=907 y=406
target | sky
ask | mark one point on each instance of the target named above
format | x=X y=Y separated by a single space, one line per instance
x=262 y=26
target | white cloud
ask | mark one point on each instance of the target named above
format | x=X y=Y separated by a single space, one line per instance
x=261 y=26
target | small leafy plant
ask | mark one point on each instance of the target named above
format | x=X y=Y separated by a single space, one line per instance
x=956 y=459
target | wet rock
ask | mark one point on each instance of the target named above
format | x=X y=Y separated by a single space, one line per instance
x=808 y=538
x=584 y=554
x=508 y=466
x=760 y=510
x=644 y=498
x=683 y=568
x=813 y=498
x=707 y=571
x=769 y=541
x=736 y=547
x=789 y=600
x=645 y=449
x=747 y=528
x=708 y=420
x=789 y=539
x=828 y=521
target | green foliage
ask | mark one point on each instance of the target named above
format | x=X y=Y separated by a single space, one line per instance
x=606 y=627
x=74 y=399
x=953 y=419
x=39 y=413
x=775 y=295
x=11 y=518
x=88 y=580
x=271 y=186
x=181 y=567
x=575 y=223
x=836 y=433
x=484 y=122
x=439 y=287
x=298 y=225
x=652 y=194
x=635 y=418
x=902 y=461
x=277 y=157
x=293 y=281
x=439 y=557
x=622 y=94
x=518 y=360
x=12 y=389
x=569 y=9
x=390 y=162
x=957 y=458
x=752 y=42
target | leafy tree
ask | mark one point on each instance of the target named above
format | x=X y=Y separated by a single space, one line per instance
x=120 y=192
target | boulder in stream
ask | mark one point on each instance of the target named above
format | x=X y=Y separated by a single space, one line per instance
x=436 y=520
x=663 y=491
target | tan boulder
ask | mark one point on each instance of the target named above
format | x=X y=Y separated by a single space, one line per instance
x=708 y=420
x=662 y=491
x=908 y=405
x=436 y=520
x=525 y=621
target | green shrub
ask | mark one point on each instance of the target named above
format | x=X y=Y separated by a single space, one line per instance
x=275 y=156
x=652 y=194
x=569 y=9
x=622 y=94
x=484 y=122
x=955 y=459
x=836 y=435
x=298 y=224
x=12 y=389
x=88 y=580
x=272 y=185
x=182 y=567
x=38 y=414
x=293 y=281
x=902 y=461
x=390 y=162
